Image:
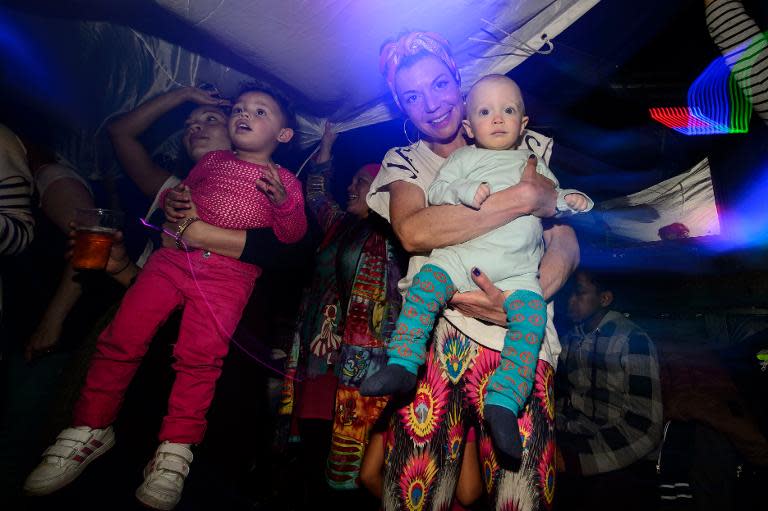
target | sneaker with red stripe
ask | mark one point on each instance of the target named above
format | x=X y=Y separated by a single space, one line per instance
x=62 y=462
x=164 y=476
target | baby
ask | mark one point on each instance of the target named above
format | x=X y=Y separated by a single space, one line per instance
x=510 y=255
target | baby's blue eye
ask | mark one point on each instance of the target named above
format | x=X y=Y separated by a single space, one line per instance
x=484 y=111
x=509 y=110
x=261 y=112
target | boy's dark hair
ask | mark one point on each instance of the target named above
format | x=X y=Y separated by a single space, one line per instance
x=286 y=107
x=601 y=280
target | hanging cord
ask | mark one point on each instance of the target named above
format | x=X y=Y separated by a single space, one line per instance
x=314 y=151
x=518 y=48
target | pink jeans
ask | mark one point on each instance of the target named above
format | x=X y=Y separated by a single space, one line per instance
x=213 y=291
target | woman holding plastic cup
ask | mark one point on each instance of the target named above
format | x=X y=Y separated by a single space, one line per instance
x=94 y=232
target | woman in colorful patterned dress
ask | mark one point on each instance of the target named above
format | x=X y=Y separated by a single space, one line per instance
x=430 y=430
x=346 y=317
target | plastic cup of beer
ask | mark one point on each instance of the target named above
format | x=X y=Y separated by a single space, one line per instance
x=94 y=234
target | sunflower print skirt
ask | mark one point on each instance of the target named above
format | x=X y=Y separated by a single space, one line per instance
x=426 y=436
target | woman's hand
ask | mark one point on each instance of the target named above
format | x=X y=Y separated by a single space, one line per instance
x=486 y=304
x=166 y=237
x=272 y=186
x=44 y=339
x=204 y=97
x=178 y=203
x=326 y=143
x=538 y=192
x=118 y=255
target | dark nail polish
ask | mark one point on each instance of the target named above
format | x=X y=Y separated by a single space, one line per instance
x=532 y=157
x=476 y=272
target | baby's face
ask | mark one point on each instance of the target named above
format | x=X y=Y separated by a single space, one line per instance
x=495 y=114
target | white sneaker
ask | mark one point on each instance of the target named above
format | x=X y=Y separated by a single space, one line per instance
x=62 y=462
x=164 y=476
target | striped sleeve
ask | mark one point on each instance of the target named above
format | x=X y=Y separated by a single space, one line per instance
x=745 y=49
x=16 y=221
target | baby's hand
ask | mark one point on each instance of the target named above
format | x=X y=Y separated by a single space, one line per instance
x=482 y=193
x=576 y=201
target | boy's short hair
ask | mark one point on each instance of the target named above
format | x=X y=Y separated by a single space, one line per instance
x=603 y=281
x=285 y=105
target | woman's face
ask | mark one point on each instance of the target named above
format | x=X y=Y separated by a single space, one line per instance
x=431 y=98
x=356 y=193
x=206 y=131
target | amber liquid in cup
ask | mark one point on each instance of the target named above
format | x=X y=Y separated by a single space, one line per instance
x=92 y=246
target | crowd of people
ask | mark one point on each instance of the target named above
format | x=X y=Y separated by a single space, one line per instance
x=420 y=369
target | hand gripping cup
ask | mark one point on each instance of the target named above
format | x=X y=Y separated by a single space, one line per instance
x=93 y=237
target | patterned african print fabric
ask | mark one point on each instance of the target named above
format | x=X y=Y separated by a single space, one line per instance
x=345 y=319
x=428 y=434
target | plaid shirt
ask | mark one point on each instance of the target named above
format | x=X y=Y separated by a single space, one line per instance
x=609 y=410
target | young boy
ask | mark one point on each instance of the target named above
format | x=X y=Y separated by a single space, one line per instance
x=510 y=255
x=234 y=191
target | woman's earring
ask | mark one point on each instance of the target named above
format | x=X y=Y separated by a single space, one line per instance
x=405 y=131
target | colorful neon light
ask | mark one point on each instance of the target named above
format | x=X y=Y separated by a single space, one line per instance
x=716 y=101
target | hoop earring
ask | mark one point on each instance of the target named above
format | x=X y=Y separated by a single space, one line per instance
x=405 y=131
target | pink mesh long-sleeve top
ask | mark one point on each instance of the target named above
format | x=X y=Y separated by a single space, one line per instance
x=224 y=190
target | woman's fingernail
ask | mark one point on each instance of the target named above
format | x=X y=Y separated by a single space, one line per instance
x=476 y=271
x=532 y=157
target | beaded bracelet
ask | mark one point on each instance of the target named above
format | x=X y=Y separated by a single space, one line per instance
x=183 y=227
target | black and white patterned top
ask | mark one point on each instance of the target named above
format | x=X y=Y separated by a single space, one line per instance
x=609 y=409
x=745 y=49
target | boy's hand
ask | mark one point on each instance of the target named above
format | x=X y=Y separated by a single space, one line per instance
x=272 y=186
x=482 y=193
x=576 y=201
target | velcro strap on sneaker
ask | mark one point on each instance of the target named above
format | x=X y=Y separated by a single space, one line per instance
x=76 y=435
x=175 y=449
x=178 y=467
x=59 y=450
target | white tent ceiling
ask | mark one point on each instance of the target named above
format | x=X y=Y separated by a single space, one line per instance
x=323 y=52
